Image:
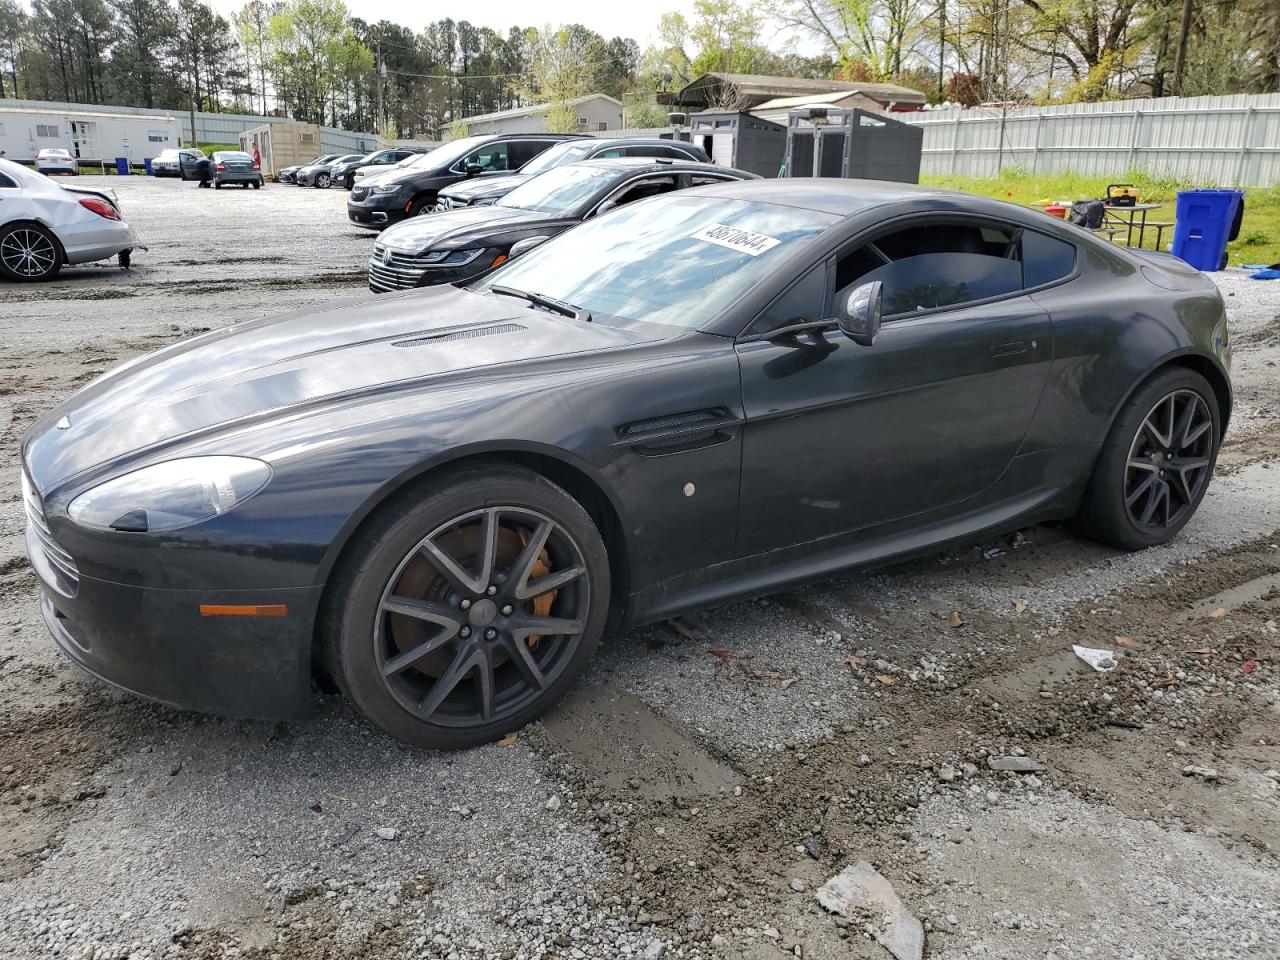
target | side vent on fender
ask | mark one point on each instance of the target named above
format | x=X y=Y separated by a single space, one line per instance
x=677 y=432
x=468 y=334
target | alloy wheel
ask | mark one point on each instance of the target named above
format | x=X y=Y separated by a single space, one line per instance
x=479 y=619
x=28 y=253
x=1169 y=461
x=322 y=181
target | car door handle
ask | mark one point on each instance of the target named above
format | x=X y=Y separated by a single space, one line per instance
x=1010 y=349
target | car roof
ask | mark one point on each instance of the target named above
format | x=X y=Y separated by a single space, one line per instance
x=826 y=194
x=656 y=164
x=641 y=142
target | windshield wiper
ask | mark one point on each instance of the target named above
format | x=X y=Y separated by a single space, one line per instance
x=542 y=300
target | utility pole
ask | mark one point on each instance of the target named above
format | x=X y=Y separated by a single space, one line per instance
x=942 y=47
x=381 y=80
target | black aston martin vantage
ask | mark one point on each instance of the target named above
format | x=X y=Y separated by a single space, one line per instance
x=438 y=501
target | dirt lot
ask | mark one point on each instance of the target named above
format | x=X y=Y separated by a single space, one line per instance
x=688 y=800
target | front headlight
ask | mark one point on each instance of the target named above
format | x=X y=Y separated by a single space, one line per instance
x=450 y=258
x=384 y=188
x=170 y=495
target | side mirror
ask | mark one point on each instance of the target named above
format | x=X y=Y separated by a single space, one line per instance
x=605 y=207
x=524 y=246
x=859 y=315
x=473 y=168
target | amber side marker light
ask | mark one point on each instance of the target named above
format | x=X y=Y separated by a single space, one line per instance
x=243 y=610
x=498 y=260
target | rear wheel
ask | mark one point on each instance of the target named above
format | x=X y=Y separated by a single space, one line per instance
x=29 y=252
x=257 y=184
x=1156 y=463
x=468 y=613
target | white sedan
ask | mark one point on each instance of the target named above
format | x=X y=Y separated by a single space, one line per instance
x=57 y=160
x=44 y=225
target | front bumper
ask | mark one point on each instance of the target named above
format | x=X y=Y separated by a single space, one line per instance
x=375 y=211
x=155 y=643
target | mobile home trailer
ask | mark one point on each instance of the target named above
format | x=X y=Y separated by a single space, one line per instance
x=91 y=136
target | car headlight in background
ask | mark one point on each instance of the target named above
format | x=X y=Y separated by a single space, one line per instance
x=170 y=495
x=449 y=258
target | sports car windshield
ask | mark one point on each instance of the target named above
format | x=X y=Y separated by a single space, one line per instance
x=673 y=260
x=561 y=190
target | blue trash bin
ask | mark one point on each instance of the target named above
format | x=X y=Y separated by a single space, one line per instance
x=122 y=166
x=147 y=164
x=1202 y=226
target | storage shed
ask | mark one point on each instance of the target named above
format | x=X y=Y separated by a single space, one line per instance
x=852 y=143
x=284 y=144
x=91 y=136
x=740 y=140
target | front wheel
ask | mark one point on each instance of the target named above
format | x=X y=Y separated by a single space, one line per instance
x=322 y=181
x=29 y=253
x=422 y=206
x=468 y=612
x=1156 y=463
x=349 y=182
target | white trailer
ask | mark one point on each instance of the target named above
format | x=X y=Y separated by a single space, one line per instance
x=93 y=137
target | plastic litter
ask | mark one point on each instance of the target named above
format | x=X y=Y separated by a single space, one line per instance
x=1104 y=661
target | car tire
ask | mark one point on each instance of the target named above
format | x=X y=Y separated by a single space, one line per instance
x=29 y=253
x=349 y=182
x=422 y=206
x=257 y=184
x=455 y=665
x=1155 y=464
x=321 y=182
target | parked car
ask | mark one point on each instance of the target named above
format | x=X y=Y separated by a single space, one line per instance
x=411 y=189
x=234 y=166
x=484 y=190
x=183 y=162
x=52 y=160
x=440 y=501
x=456 y=245
x=321 y=174
x=286 y=174
x=376 y=162
x=44 y=225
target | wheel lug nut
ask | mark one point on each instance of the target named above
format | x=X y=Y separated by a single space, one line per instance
x=490 y=634
x=465 y=604
x=464 y=632
x=492 y=590
x=506 y=609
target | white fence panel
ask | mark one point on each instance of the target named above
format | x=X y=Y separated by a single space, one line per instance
x=1227 y=141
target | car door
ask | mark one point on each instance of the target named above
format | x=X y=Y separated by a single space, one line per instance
x=842 y=437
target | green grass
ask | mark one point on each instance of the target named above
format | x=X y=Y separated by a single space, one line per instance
x=1259 y=240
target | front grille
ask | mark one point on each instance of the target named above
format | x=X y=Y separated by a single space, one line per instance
x=401 y=271
x=66 y=577
x=359 y=193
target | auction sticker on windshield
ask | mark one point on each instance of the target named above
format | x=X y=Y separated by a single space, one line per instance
x=735 y=238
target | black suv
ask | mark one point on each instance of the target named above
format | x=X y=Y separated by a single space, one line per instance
x=410 y=189
x=486 y=190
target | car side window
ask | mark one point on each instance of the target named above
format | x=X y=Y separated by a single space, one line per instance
x=614 y=152
x=643 y=189
x=648 y=150
x=928 y=266
x=805 y=301
x=492 y=156
x=702 y=179
x=1045 y=259
x=521 y=152
x=7 y=183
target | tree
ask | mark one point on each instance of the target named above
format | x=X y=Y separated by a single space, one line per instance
x=315 y=55
x=13 y=28
x=146 y=30
x=253 y=25
x=561 y=68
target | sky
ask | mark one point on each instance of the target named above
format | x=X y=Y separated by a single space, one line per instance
x=609 y=18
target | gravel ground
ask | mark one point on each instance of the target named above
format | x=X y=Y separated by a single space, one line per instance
x=710 y=774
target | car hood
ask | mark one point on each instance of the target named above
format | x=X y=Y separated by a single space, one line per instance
x=285 y=364
x=422 y=233
x=485 y=186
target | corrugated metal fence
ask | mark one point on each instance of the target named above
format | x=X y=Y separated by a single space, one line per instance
x=215 y=127
x=1224 y=141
